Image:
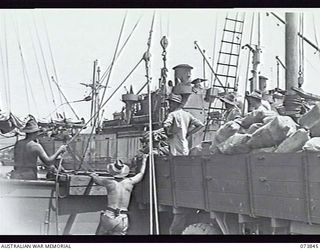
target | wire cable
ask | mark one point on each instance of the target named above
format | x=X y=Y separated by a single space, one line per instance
x=4 y=75
x=25 y=71
x=38 y=68
x=44 y=62
x=7 y=64
x=114 y=58
x=104 y=75
x=51 y=56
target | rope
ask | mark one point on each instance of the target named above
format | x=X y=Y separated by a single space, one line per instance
x=65 y=98
x=7 y=64
x=7 y=147
x=152 y=183
x=51 y=54
x=168 y=25
x=114 y=58
x=38 y=67
x=208 y=63
x=160 y=24
x=57 y=196
x=214 y=46
x=124 y=44
x=301 y=51
x=94 y=115
x=25 y=71
x=315 y=33
x=4 y=74
x=44 y=62
x=248 y=62
x=88 y=143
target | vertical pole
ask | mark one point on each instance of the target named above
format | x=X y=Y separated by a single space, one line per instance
x=278 y=77
x=94 y=89
x=291 y=52
x=97 y=98
x=256 y=59
x=204 y=67
x=93 y=104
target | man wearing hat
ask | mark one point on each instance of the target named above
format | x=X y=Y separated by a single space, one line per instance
x=114 y=220
x=256 y=102
x=27 y=151
x=277 y=104
x=232 y=110
x=179 y=125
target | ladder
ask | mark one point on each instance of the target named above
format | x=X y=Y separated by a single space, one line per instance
x=229 y=53
x=228 y=59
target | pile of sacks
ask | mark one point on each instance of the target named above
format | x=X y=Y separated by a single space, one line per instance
x=160 y=145
x=267 y=131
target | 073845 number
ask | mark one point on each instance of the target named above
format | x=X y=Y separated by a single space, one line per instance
x=307 y=245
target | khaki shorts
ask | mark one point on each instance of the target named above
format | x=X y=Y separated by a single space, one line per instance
x=110 y=224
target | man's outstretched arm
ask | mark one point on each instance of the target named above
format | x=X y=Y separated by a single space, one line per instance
x=48 y=160
x=138 y=177
x=102 y=182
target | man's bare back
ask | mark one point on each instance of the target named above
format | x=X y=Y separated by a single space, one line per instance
x=119 y=194
x=119 y=190
x=114 y=221
x=26 y=153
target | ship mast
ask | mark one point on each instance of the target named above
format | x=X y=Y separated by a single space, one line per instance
x=291 y=52
x=292 y=101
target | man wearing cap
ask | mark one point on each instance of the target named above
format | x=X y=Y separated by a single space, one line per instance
x=114 y=220
x=27 y=151
x=179 y=125
x=256 y=102
x=232 y=110
x=277 y=104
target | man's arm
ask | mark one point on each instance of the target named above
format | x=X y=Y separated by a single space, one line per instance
x=138 y=177
x=198 y=125
x=48 y=160
x=168 y=123
x=101 y=182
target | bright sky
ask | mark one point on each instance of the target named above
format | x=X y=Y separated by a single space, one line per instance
x=79 y=36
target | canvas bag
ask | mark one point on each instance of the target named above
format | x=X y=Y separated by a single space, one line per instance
x=236 y=144
x=273 y=133
x=294 y=142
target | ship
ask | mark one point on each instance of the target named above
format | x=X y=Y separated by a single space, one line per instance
x=225 y=190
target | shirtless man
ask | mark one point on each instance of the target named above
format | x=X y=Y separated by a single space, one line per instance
x=27 y=151
x=114 y=220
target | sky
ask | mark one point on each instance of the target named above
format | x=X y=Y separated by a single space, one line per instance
x=77 y=37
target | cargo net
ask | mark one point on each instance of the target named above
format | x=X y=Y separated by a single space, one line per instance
x=160 y=144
